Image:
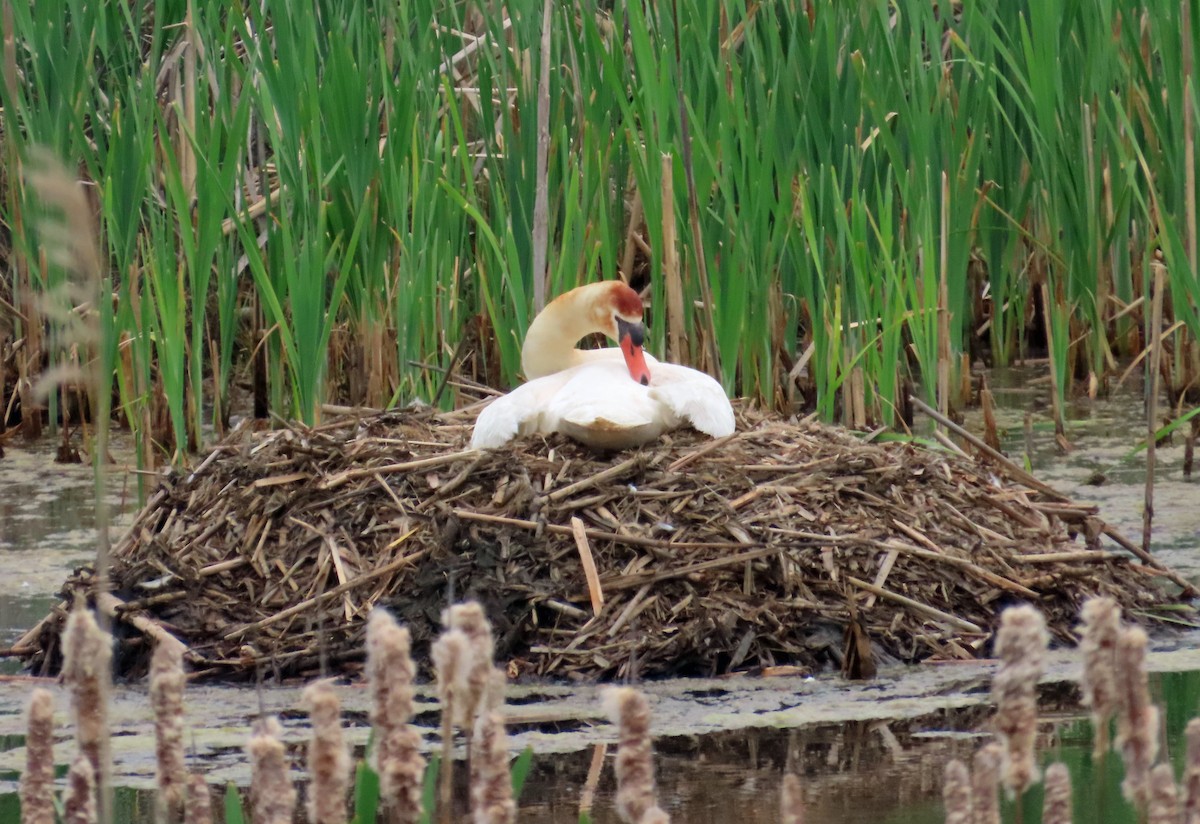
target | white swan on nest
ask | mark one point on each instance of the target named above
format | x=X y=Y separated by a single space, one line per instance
x=610 y=398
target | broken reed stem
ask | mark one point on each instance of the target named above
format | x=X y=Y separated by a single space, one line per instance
x=1153 y=364
x=491 y=780
x=87 y=660
x=1100 y=629
x=273 y=798
x=398 y=760
x=451 y=655
x=1137 y=718
x=1056 y=806
x=956 y=793
x=636 y=803
x=37 y=782
x=79 y=799
x=199 y=801
x=166 y=698
x=1021 y=646
x=985 y=783
x=328 y=757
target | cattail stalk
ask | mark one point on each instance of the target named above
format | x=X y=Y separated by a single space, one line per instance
x=273 y=798
x=636 y=802
x=1137 y=719
x=985 y=783
x=1021 y=646
x=491 y=781
x=199 y=801
x=37 y=782
x=1100 y=629
x=1191 y=774
x=451 y=655
x=398 y=759
x=87 y=661
x=791 y=800
x=1164 y=796
x=956 y=793
x=1056 y=806
x=328 y=757
x=79 y=800
x=166 y=698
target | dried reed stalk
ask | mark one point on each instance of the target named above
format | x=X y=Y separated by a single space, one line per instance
x=491 y=781
x=79 y=800
x=1056 y=806
x=791 y=800
x=328 y=757
x=956 y=793
x=273 y=798
x=37 y=782
x=87 y=660
x=1137 y=718
x=1191 y=774
x=985 y=783
x=398 y=759
x=1021 y=646
x=199 y=801
x=636 y=803
x=1100 y=629
x=166 y=698
x=1164 y=796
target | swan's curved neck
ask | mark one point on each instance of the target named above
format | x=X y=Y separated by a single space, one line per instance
x=550 y=342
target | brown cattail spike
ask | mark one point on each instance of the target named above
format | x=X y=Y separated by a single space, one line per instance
x=398 y=759
x=37 y=782
x=273 y=798
x=1056 y=806
x=636 y=802
x=491 y=781
x=166 y=698
x=79 y=802
x=985 y=783
x=471 y=620
x=956 y=793
x=1100 y=628
x=1137 y=719
x=791 y=800
x=87 y=661
x=1164 y=796
x=1021 y=646
x=328 y=758
x=1191 y=774
x=199 y=801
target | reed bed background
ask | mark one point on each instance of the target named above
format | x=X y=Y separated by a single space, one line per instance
x=827 y=204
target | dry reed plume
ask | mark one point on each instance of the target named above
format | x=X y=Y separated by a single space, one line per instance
x=37 y=782
x=956 y=793
x=1137 y=719
x=1056 y=806
x=1191 y=774
x=273 y=798
x=199 y=801
x=398 y=759
x=469 y=618
x=166 y=698
x=985 y=783
x=1164 y=796
x=636 y=803
x=79 y=801
x=1021 y=646
x=328 y=757
x=451 y=654
x=1100 y=628
x=491 y=781
x=87 y=660
x=791 y=800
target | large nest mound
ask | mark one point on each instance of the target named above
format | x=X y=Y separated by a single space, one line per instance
x=754 y=551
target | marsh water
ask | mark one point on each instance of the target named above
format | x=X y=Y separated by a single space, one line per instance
x=869 y=751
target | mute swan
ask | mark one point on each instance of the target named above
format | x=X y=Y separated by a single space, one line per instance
x=610 y=398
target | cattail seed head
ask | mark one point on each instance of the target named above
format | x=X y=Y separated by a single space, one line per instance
x=87 y=661
x=1137 y=718
x=1164 y=796
x=328 y=757
x=1100 y=628
x=985 y=783
x=37 y=782
x=273 y=798
x=166 y=698
x=1191 y=774
x=491 y=780
x=79 y=801
x=1021 y=646
x=956 y=793
x=470 y=619
x=791 y=800
x=1056 y=806
x=635 y=759
x=199 y=801
x=452 y=655
x=398 y=759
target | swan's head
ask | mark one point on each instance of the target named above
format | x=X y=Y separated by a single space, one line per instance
x=616 y=310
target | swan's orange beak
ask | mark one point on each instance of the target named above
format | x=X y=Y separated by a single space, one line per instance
x=631 y=336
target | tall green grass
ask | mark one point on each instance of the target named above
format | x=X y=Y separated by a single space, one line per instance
x=346 y=189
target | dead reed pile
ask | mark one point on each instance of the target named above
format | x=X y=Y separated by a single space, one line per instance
x=691 y=557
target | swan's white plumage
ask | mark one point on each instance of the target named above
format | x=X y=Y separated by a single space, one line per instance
x=596 y=401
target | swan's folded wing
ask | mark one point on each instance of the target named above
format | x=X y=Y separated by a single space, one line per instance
x=695 y=397
x=509 y=416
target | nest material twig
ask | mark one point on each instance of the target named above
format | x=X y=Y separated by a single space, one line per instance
x=750 y=552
